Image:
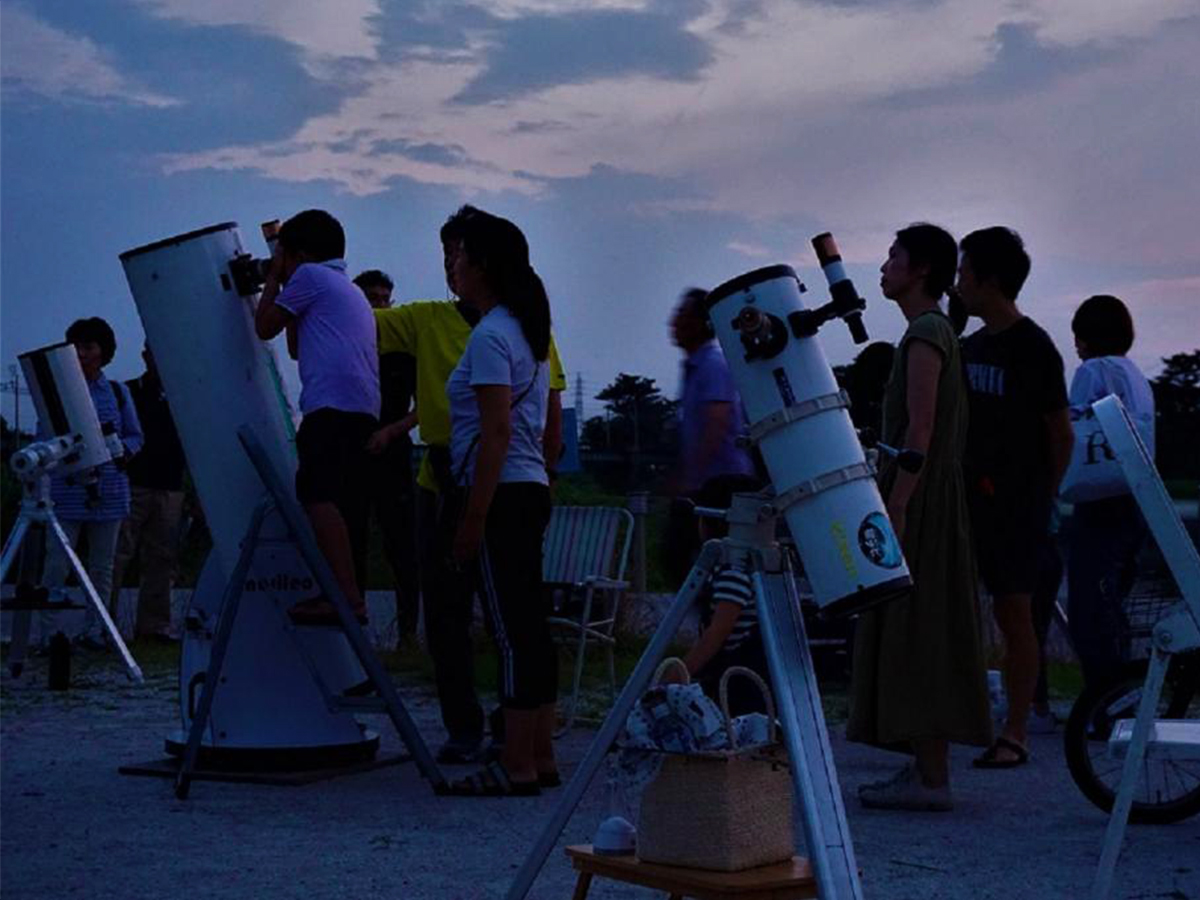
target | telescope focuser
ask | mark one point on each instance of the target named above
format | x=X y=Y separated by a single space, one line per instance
x=846 y=304
x=249 y=273
x=763 y=335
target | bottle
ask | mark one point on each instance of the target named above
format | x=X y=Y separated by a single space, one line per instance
x=60 y=662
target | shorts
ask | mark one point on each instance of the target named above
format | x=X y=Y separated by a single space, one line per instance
x=331 y=446
x=1010 y=537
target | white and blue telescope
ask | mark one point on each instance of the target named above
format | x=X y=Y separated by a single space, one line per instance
x=824 y=487
x=195 y=295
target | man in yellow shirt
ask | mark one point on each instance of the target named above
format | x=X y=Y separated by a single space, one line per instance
x=435 y=333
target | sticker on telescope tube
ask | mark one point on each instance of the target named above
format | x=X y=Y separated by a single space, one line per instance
x=878 y=542
x=785 y=387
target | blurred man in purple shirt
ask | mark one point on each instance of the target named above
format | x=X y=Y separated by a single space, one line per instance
x=710 y=420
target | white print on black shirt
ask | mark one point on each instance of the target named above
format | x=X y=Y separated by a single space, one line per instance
x=986 y=379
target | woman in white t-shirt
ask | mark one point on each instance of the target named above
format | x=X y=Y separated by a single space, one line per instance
x=1105 y=535
x=498 y=398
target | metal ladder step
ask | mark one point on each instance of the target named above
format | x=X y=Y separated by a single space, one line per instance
x=1169 y=739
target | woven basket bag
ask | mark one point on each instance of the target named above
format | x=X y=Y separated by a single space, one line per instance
x=724 y=811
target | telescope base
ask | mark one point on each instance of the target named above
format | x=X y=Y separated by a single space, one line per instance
x=278 y=759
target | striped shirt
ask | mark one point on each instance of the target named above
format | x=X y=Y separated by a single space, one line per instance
x=108 y=499
x=732 y=585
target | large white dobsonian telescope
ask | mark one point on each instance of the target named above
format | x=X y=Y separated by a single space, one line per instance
x=195 y=295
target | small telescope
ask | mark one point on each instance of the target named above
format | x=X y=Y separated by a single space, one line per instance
x=77 y=443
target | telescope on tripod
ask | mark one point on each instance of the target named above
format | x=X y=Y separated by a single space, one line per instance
x=76 y=448
x=824 y=488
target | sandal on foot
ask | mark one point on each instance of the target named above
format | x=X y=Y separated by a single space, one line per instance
x=990 y=758
x=318 y=611
x=492 y=781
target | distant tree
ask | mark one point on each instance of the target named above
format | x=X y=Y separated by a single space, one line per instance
x=1177 y=410
x=638 y=420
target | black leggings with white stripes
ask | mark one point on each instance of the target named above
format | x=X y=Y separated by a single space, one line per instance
x=509 y=577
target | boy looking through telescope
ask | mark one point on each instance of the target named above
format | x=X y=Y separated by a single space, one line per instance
x=307 y=292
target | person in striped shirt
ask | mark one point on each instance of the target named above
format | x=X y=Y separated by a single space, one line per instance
x=97 y=509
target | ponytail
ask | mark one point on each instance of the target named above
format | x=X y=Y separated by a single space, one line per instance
x=531 y=307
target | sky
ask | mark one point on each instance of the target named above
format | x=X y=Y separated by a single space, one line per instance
x=643 y=147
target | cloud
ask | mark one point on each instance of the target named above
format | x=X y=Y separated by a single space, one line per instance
x=323 y=31
x=41 y=60
x=754 y=251
x=1031 y=113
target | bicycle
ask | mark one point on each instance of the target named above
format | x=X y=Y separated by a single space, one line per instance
x=1168 y=789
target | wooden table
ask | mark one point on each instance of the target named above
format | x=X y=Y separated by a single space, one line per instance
x=782 y=881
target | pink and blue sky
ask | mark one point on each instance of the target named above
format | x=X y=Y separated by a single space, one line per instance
x=642 y=146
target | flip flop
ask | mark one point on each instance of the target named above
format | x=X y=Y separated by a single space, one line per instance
x=989 y=759
x=492 y=781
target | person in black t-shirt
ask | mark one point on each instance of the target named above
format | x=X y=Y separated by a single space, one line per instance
x=1018 y=446
x=393 y=498
x=151 y=531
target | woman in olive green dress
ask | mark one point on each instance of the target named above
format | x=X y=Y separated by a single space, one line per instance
x=919 y=681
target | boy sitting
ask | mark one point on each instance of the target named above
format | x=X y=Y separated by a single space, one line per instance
x=729 y=630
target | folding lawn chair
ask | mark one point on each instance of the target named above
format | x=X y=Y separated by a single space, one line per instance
x=585 y=553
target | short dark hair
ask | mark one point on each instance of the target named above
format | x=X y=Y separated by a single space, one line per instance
x=929 y=245
x=315 y=233
x=1104 y=324
x=691 y=303
x=998 y=254
x=94 y=331
x=374 y=278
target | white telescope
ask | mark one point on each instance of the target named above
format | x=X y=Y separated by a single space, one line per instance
x=76 y=441
x=194 y=293
x=824 y=487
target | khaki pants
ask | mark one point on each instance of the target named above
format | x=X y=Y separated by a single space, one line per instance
x=152 y=534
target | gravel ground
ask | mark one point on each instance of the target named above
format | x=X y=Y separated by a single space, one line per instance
x=73 y=827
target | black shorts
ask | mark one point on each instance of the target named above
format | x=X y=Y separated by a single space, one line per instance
x=1010 y=535
x=331 y=446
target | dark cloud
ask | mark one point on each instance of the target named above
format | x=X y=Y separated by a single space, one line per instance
x=1022 y=65
x=542 y=127
x=235 y=86
x=538 y=52
x=438 y=154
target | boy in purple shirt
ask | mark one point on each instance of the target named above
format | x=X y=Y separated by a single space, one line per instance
x=331 y=332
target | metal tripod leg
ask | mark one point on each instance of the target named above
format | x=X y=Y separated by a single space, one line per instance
x=298 y=525
x=1115 y=833
x=814 y=776
x=89 y=589
x=12 y=546
x=638 y=681
x=230 y=601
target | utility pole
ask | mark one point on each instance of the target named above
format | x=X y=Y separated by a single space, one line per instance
x=14 y=387
x=578 y=404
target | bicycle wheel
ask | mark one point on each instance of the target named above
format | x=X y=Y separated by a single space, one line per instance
x=1168 y=790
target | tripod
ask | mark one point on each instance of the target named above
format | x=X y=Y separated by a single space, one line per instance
x=816 y=795
x=38 y=509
